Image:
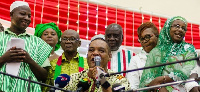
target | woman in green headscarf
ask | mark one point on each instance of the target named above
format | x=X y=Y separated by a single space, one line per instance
x=51 y=34
x=171 y=47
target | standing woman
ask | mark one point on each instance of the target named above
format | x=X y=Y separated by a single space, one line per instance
x=171 y=47
x=51 y=34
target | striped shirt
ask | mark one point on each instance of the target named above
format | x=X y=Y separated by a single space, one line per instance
x=38 y=51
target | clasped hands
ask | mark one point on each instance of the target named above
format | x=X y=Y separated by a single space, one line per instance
x=16 y=55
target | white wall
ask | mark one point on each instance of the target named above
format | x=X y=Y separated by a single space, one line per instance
x=190 y=9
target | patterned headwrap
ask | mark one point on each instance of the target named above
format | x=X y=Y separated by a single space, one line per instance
x=168 y=51
x=40 y=28
x=164 y=37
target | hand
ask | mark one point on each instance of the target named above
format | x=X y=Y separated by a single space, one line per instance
x=13 y=53
x=195 y=89
x=93 y=71
x=16 y=55
x=157 y=81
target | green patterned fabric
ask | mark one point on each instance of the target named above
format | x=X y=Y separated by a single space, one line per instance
x=168 y=51
x=40 y=28
x=38 y=51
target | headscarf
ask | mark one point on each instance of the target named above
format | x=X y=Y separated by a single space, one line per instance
x=17 y=4
x=168 y=51
x=40 y=28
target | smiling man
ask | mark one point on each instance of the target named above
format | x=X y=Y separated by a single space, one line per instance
x=70 y=61
x=120 y=57
x=32 y=57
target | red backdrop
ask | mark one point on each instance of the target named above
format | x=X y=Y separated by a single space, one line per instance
x=90 y=19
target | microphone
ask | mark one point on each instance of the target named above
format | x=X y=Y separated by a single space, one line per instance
x=97 y=60
x=83 y=85
x=61 y=81
x=118 y=88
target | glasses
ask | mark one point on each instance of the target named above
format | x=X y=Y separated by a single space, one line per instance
x=71 y=39
x=146 y=38
x=178 y=27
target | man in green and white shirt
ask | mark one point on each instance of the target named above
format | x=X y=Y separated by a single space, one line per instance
x=32 y=57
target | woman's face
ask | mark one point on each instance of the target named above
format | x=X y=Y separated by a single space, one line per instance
x=177 y=31
x=50 y=36
x=148 y=40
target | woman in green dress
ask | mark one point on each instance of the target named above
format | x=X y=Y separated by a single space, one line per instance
x=171 y=47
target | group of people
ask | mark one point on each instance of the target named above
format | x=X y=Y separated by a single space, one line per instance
x=39 y=60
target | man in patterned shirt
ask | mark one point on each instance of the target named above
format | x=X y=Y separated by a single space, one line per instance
x=32 y=57
x=70 y=61
x=97 y=47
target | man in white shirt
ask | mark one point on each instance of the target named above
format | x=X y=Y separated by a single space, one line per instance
x=120 y=57
x=148 y=37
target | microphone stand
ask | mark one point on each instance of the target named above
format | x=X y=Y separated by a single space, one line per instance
x=168 y=63
x=163 y=85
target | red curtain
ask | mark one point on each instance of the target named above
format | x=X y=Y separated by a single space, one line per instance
x=91 y=19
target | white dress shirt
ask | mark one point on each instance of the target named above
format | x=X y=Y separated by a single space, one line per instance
x=137 y=61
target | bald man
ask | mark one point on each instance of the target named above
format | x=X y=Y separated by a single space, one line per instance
x=70 y=60
x=120 y=57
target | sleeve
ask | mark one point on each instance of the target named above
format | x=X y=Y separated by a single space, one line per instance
x=148 y=75
x=46 y=63
x=181 y=71
x=119 y=79
x=133 y=77
x=43 y=52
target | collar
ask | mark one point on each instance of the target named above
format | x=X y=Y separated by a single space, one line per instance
x=64 y=58
x=114 y=52
x=143 y=54
x=7 y=31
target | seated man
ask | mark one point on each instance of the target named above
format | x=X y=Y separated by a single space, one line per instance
x=70 y=61
x=97 y=47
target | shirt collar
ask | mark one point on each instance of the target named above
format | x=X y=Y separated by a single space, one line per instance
x=7 y=31
x=64 y=58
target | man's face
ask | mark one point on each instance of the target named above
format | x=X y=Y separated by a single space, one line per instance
x=70 y=41
x=114 y=38
x=21 y=17
x=98 y=48
x=148 y=40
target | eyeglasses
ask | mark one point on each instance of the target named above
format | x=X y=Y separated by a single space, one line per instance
x=146 y=38
x=178 y=27
x=71 y=39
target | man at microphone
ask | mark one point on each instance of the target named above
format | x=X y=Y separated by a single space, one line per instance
x=97 y=47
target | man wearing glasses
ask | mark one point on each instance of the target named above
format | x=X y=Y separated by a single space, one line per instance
x=148 y=37
x=70 y=61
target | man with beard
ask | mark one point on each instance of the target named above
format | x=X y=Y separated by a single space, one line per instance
x=70 y=61
x=30 y=59
x=120 y=57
